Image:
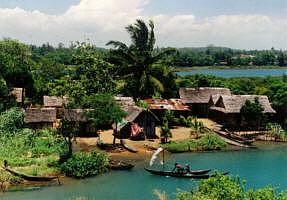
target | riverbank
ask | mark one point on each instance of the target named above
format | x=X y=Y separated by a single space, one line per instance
x=187 y=69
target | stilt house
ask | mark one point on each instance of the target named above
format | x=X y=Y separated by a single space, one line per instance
x=227 y=110
x=198 y=99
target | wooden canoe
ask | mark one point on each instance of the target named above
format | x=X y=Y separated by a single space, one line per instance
x=29 y=177
x=183 y=175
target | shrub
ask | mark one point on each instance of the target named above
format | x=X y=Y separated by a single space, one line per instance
x=210 y=141
x=226 y=188
x=11 y=121
x=180 y=146
x=81 y=165
x=16 y=180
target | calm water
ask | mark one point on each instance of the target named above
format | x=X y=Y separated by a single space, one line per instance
x=227 y=73
x=260 y=167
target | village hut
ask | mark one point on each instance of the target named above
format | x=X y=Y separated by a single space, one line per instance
x=198 y=99
x=227 y=109
x=38 y=118
x=54 y=101
x=19 y=93
x=74 y=115
x=142 y=118
x=159 y=106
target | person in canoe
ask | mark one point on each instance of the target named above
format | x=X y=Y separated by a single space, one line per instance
x=187 y=168
x=178 y=168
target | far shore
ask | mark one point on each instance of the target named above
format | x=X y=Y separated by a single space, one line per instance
x=186 y=69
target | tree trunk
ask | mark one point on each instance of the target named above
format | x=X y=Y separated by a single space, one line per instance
x=70 y=148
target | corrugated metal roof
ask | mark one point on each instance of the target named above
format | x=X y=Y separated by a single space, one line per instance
x=165 y=104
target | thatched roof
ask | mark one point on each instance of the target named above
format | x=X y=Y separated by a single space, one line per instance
x=233 y=103
x=200 y=95
x=133 y=112
x=37 y=115
x=214 y=98
x=18 y=92
x=53 y=101
x=75 y=115
x=125 y=101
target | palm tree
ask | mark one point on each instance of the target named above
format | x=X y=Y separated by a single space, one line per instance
x=139 y=60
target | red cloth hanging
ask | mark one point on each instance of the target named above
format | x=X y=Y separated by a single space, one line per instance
x=135 y=130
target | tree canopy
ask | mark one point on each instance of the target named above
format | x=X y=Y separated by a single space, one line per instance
x=138 y=60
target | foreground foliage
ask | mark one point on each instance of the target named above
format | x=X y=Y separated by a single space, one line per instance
x=81 y=165
x=226 y=188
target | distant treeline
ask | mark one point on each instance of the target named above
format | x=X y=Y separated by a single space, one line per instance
x=183 y=57
x=219 y=56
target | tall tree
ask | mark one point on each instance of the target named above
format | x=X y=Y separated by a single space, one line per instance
x=137 y=61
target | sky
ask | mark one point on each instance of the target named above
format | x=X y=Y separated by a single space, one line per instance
x=240 y=24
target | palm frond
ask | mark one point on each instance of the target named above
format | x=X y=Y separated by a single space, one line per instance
x=118 y=45
x=156 y=83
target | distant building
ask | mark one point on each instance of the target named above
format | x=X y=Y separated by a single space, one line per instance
x=54 y=101
x=19 y=93
x=226 y=109
x=198 y=99
x=38 y=118
x=125 y=101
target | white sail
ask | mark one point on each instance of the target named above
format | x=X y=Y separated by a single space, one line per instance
x=155 y=156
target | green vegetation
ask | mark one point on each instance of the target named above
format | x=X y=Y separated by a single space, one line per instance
x=140 y=63
x=27 y=148
x=206 y=142
x=224 y=187
x=253 y=112
x=165 y=132
x=217 y=56
x=81 y=165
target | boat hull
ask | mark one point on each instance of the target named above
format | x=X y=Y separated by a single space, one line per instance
x=184 y=175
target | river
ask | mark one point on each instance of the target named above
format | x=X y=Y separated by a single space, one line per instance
x=227 y=73
x=260 y=167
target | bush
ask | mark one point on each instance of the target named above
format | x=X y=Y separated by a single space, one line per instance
x=210 y=141
x=180 y=146
x=81 y=165
x=11 y=121
x=224 y=188
x=206 y=142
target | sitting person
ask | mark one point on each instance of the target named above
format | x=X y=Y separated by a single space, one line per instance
x=187 y=168
x=178 y=168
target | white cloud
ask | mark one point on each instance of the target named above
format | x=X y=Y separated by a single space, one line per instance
x=104 y=20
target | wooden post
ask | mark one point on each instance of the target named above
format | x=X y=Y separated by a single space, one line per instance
x=114 y=141
x=163 y=160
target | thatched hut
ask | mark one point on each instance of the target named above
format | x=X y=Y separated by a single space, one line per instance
x=198 y=99
x=145 y=119
x=54 y=101
x=40 y=117
x=74 y=115
x=19 y=93
x=227 y=109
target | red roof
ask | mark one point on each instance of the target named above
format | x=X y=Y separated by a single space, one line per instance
x=165 y=104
